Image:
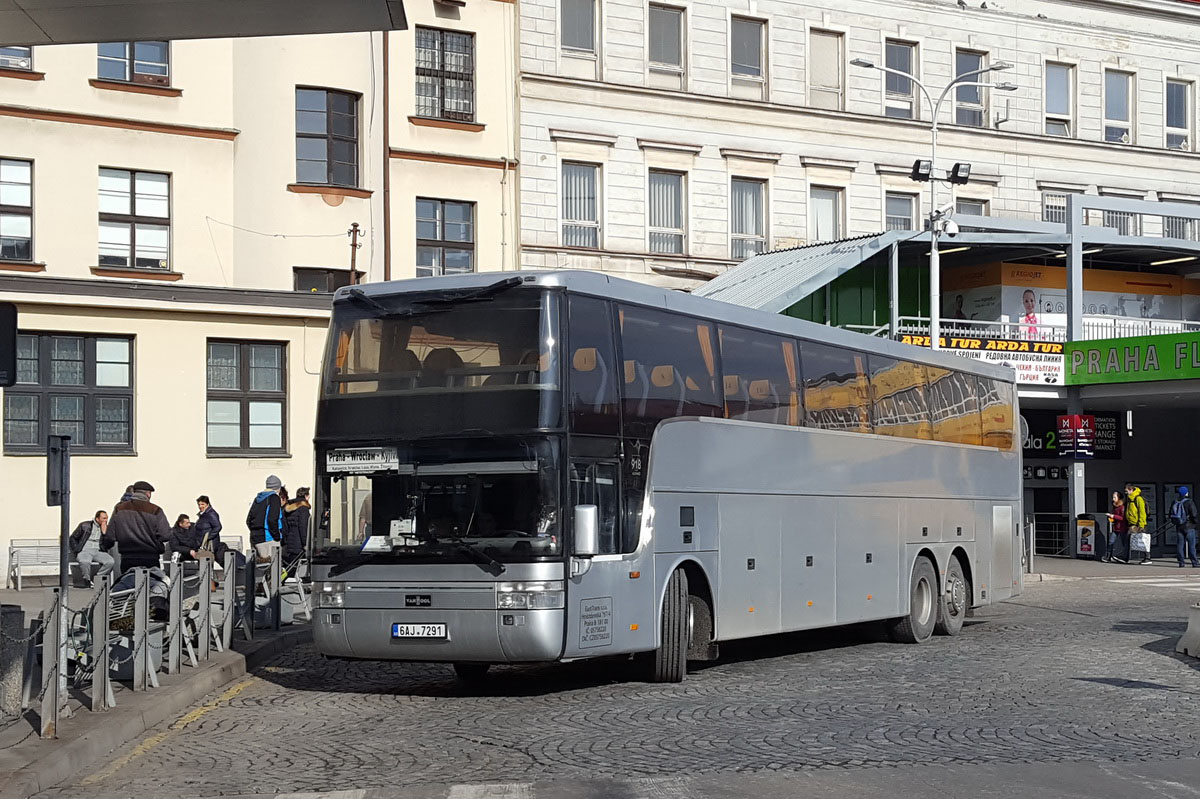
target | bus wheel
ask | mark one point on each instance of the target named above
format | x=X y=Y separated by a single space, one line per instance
x=700 y=630
x=670 y=660
x=917 y=626
x=471 y=672
x=954 y=601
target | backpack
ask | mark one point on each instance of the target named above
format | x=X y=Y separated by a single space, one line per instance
x=1178 y=513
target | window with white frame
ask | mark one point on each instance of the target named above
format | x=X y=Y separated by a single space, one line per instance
x=970 y=102
x=900 y=99
x=971 y=207
x=1054 y=206
x=16 y=58
x=746 y=48
x=667 y=216
x=16 y=209
x=1118 y=106
x=135 y=219
x=747 y=200
x=579 y=25
x=901 y=211
x=1179 y=115
x=580 y=205
x=825 y=214
x=826 y=70
x=1060 y=99
x=666 y=41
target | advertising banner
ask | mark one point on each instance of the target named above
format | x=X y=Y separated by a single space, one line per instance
x=1136 y=359
x=1077 y=436
x=1036 y=362
x=1042 y=440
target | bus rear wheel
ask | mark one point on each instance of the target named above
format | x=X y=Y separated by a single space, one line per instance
x=954 y=601
x=471 y=673
x=917 y=626
x=670 y=659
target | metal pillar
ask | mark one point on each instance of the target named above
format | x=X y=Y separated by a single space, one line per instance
x=204 y=622
x=102 y=692
x=1076 y=483
x=894 y=292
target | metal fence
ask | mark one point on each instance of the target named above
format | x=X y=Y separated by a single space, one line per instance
x=1095 y=326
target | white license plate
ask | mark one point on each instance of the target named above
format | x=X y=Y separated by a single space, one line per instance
x=362 y=459
x=419 y=631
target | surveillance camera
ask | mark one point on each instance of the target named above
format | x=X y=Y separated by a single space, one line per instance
x=951 y=228
x=946 y=210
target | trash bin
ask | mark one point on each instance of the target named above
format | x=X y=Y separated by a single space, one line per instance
x=1086 y=537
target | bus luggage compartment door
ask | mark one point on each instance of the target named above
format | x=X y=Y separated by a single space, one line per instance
x=748 y=594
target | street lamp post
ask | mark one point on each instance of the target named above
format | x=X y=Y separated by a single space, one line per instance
x=938 y=218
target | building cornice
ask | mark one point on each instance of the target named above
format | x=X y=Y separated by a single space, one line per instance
x=581 y=137
x=44 y=115
x=750 y=155
x=454 y=160
x=819 y=162
x=670 y=146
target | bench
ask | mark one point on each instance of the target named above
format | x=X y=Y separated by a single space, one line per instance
x=32 y=557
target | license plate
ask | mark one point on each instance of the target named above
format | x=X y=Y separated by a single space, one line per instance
x=419 y=631
x=362 y=459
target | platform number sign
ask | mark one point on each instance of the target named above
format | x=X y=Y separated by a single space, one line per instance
x=8 y=344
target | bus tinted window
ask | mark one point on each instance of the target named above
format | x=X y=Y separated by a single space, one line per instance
x=760 y=378
x=669 y=368
x=594 y=374
x=996 y=410
x=899 y=406
x=955 y=406
x=836 y=391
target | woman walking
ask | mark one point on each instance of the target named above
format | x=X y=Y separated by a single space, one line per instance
x=1118 y=530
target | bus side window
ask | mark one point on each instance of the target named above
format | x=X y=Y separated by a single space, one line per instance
x=760 y=377
x=595 y=373
x=955 y=406
x=996 y=411
x=836 y=392
x=898 y=398
x=594 y=483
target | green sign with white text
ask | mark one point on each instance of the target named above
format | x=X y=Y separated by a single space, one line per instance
x=1137 y=359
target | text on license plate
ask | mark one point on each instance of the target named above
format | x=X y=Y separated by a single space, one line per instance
x=419 y=631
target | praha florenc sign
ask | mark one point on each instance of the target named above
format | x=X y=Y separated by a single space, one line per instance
x=1137 y=359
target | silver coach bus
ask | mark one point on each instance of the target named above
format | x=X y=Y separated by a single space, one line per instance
x=554 y=466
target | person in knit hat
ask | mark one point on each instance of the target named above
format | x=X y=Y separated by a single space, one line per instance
x=265 y=519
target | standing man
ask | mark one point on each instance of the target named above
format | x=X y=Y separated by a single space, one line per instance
x=1135 y=518
x=296 y=516
x=86 y=548
x=208 y=522
x=139 y=528
x=265 y=519
x=1183 y=513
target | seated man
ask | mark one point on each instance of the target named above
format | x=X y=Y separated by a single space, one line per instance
x=87 y=548
x=186 y=539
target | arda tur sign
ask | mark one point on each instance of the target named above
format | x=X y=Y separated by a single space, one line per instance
x=1137 y=359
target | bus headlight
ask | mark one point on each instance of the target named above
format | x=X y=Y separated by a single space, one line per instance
x=537 y=595
x=331 y=595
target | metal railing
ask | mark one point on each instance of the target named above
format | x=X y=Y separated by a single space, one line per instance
x=1095 y=326
x=1051 y=533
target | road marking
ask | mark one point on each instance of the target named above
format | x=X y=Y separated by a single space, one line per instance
x=504 y=790
x=661 y=788
x=360 y=794
x=156 y=739
x=1155 y=580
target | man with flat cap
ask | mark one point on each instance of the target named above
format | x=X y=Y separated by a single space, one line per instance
x=139 y=528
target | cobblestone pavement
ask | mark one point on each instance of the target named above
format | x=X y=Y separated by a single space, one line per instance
x=1077 y=672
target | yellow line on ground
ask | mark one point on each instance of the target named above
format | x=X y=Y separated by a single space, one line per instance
x=156 y=739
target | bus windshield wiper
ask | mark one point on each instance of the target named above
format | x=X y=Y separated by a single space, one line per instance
x=382 y=311
x=485 y=293
x=353 y=562
x=493 y=566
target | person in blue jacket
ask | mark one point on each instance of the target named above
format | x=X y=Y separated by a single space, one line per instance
x=265 y=519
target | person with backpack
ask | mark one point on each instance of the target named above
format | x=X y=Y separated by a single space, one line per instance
x=1135 y=518
x=265 y=519
x=296 y=516
x=1183 y=514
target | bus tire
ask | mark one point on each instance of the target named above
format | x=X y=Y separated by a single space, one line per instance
x=954 y=601
x=471 y=673
x=670 y=659
x=916 y=627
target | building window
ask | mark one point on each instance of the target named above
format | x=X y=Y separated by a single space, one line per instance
x=445 y=74
x=326 y=137
x=900 y=101
x=970 y=106
x=71 y=384
x=666 y=45
x=135 y=219
x=971 y=207
x=247 y=397
x=1054 y=206
x=16 y=58
x=825 y=70
x=746 y=48
x=1118 y=106
x=1181 y=227
x=1179 y=115
x=901 y=211
x=445 y=237
x=667 y=217
x=748 y=215
x=579 y=25
x=1060 y=100
x=315 y=280
x=16 y=209
x=135 y=62
x=825 y=214
x=580 y=205
x=1126 y=223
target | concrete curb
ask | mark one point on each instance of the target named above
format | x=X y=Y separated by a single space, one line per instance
x=1051 y=578
x=89 y=737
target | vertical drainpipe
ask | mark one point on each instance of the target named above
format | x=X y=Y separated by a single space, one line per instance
x=387 y=163
x=894 y=291
x=515 y=123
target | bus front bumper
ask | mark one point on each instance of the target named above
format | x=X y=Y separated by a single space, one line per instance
x=477 y=635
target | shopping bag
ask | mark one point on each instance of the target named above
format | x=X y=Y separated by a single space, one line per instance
x=1139 y=541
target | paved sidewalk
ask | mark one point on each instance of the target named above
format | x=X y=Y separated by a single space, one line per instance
x=1079 y=568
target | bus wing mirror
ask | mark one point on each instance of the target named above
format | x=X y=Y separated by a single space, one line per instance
x=587 y=531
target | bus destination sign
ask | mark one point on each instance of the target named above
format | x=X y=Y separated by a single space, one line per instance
x=362 y=460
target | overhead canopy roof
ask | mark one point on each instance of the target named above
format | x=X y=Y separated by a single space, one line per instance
x=30 y=22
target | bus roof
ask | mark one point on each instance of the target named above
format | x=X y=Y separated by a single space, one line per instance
x=615 y=288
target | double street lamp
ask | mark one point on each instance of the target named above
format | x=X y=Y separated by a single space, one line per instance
x=939 y=217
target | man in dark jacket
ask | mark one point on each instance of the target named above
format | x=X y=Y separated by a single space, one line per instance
x=87 y=547
x=296 y=514
x=139 y=528
x=265 y=519
x=1183 y=513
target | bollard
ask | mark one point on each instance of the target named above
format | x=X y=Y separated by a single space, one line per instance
x=229 y=594
x=102 y=692
x=50 y=665
x=275 y=586
x=246 y=608
x=204 y=622
x=12 y=658
x=175 y=621
x=1189 y=644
